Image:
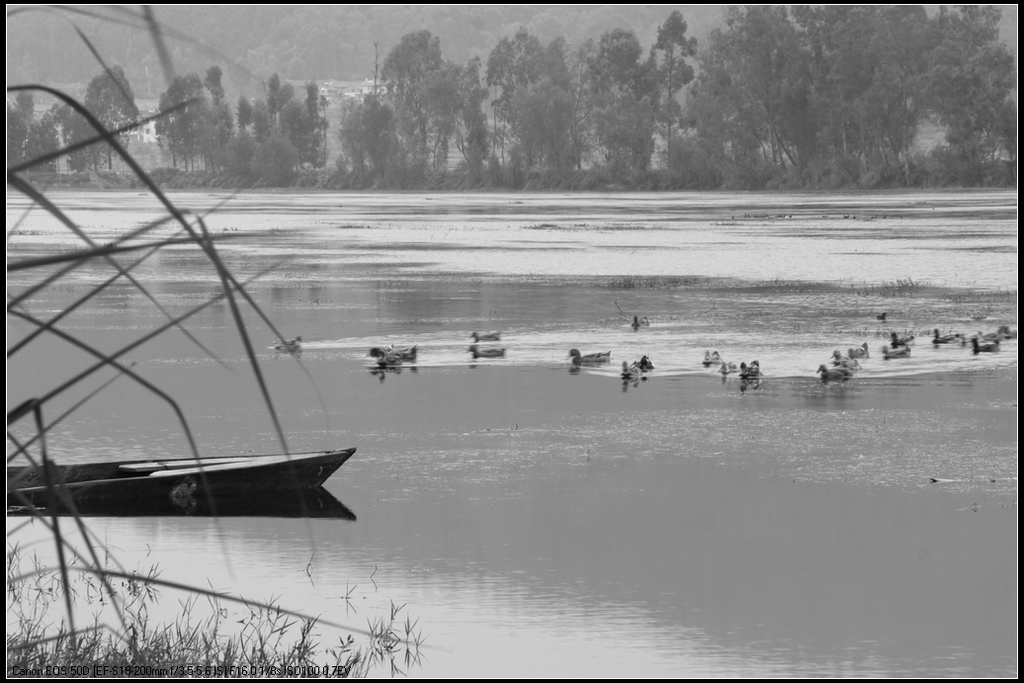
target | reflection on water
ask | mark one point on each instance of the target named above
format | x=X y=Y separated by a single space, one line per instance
x=676 y=523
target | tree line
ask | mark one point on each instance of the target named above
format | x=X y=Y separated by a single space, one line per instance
x=822 y=96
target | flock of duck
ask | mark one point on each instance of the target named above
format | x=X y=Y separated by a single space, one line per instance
x=842 y=366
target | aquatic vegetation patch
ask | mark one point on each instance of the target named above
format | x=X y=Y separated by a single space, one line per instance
x=656 y=282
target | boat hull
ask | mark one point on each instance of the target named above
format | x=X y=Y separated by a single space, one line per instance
x=182 y=482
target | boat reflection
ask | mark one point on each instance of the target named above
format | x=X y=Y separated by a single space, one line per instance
x=315 y=503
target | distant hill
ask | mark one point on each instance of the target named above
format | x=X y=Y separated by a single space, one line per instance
x=300 y=43
x=316 y=42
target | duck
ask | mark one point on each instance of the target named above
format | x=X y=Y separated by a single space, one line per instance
x=842 y=361
x=485 y=336
x=752 y=371
x=859 y=351
x=389 y=360
x=628 y=371
x=984 y=346
x=711 y=359
x=1002 y=333
x=639 y=322
x=486 y=353
x=881 y=317
x=944 y=339
x=728 y=368
x=643 y=365
x=408 y=353
x=590 y=358
x=898 y=341
x=289 y=345
x=901 y=352
x=834 y=374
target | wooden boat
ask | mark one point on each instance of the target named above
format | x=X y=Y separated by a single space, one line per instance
x=183 y=481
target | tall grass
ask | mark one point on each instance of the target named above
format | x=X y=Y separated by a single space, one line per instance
x=45 y=601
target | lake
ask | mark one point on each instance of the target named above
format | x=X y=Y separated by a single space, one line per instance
x=538 y=519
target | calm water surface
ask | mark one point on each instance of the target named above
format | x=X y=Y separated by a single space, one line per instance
x=537 y=520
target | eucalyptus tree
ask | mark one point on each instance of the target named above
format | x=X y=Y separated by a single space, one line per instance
x=110 y=99
x=512 y=66
x=751 y=104
x=897 y=100
x=625 y=95
x=20 y=115
x=972 y=86
x=471 y=136
x=180 y=130
x=412 y=79
x=674 y=47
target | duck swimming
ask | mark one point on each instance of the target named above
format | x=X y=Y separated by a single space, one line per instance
x=944 y=339
x=389 y=360
x=728 y=368
x=486 y=353
x=898 y=341
x=406 y=354
x=752 y=371
x=901 y=352
x=844 y=361
x=289 y=345
x=859 y=351
x=1002 y=333
x=589 y=358
x=643 y=365
x=834 y=374
x=486 y=336
x=711 y=359
x=984 y=346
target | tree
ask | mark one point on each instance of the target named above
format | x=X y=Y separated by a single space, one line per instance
x=73 y=128
x=582 y=92
x=897 y=99
x=618 y=65
x=367 y=134
x=110 y=99
x=750 y=104
x=245 y=114
x=278 y=96
x=217 y=123
x=181 y=129
x=213 y=84
x=544 y=115
x=625 y=128
x=43 y=139
x=675 y=47
x=971 y=82
x=471 y=126
x=514 y=64
x=624 y=102
x=414 y=77
x=275 y=161
x=19 y=122
x=262 y=122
